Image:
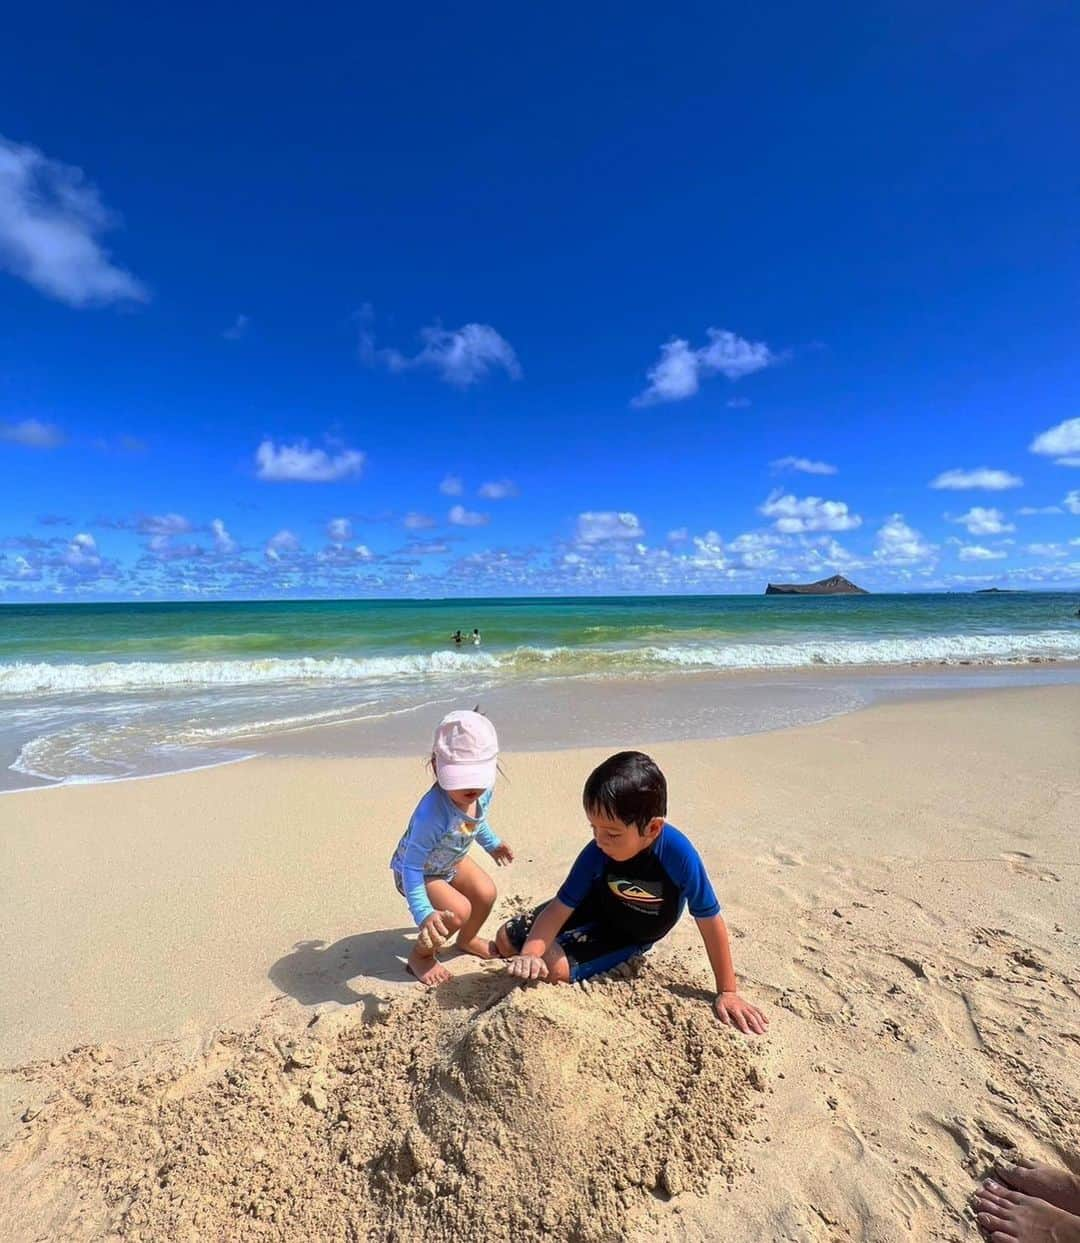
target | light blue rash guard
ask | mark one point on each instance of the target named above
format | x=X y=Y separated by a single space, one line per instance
x=437 y=839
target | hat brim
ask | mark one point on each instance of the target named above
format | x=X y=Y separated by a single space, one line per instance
x=477 y=775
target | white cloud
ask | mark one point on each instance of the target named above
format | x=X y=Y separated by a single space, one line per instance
x=283 y=542
x=976 y=552
x=223 y=541
x=363 y=552
x=414 y=521
x=794 y=515
x=1072 y=501
x=163 y=525
x=755 y=548
x=452 y=485
x=338 y=530
x=33 y=434
x=1061 y=443
x=709 y=551
x=498 y=490
x=1046 y=550
x=678 y=372
x=237 y=328
x=806 y=465
x=898 y=543
x=1029 y=511
x=51 y=220
x=462 y=356
x=82 y=554
x=600 y=526
x=981 y=477
x=679 y=536
x=980 y=521
x=302 y=464
x=462 y=517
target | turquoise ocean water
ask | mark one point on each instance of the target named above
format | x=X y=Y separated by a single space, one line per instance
x=92 y=692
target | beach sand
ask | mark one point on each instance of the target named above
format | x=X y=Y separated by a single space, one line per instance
x=901 y=884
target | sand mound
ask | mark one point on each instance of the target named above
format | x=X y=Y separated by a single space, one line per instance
x=481 y=1111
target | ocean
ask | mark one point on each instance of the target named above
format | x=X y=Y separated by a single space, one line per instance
x=92 y=692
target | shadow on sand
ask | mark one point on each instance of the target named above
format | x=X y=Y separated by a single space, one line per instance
x=316 y=972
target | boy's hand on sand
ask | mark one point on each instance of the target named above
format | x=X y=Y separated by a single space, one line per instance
x=733 y=1009
x=434 y=932
x=527 y=967
x=502 y=855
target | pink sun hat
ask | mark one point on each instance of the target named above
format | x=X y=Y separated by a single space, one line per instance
x=466 y=750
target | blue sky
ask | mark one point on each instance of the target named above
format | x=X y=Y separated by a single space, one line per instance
x=530 y=299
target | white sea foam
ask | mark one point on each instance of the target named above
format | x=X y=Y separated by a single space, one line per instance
x=113 y=676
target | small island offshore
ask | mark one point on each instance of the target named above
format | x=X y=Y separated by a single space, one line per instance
x=838 y=585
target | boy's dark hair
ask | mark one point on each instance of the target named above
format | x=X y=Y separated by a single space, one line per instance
x=629 y=787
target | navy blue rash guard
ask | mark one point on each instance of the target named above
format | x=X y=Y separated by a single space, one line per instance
x=643 y=897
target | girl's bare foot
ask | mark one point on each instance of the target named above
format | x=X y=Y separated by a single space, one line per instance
x=480 y=946
x=1057 y=1187
x=1007 y=1216
x=428 y=970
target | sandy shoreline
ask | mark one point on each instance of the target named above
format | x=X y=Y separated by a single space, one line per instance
x=902 y=884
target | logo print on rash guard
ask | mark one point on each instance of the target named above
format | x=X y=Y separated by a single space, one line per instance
x=642 y=895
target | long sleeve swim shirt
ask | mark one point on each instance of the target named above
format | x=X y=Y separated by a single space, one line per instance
x=437 y=839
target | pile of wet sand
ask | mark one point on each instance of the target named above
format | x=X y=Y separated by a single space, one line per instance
x=479 y=1111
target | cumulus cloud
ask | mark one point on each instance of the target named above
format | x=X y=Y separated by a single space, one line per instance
x=223 y=541
x=237 y=328
x=498 y=490
x=300 y=463
x=1061 y=443
x=51 y=222
x=417 y=522
x=1046 y=551
x=806 y=465
x=1072 y=501
x=1029 y=511
x=976 y=552
x=793 y=515
x=461 y=356
x=281 y=544
x=981 y=477
x=678 y=372
x=82 y=554
x=452 y=485
x=709 y=551
x=462 y=517
x=32 y=434
x=981 y=521
x=900 y=544
x=600 y=526
x=338 y=530
x=163 y=525
x=679 y=536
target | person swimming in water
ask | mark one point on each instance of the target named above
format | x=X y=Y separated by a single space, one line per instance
x=458 y=638
x=475 y=637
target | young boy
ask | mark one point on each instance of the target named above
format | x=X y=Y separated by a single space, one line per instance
x=626 y=890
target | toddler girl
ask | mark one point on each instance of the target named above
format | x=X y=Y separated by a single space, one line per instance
x=446 y=891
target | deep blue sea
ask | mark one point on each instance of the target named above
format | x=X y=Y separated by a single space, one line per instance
x=99 y=691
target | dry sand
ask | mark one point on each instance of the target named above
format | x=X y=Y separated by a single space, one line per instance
x=902 y=889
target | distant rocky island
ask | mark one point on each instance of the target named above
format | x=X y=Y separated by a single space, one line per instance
x=838 y=585
x=995 y=591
